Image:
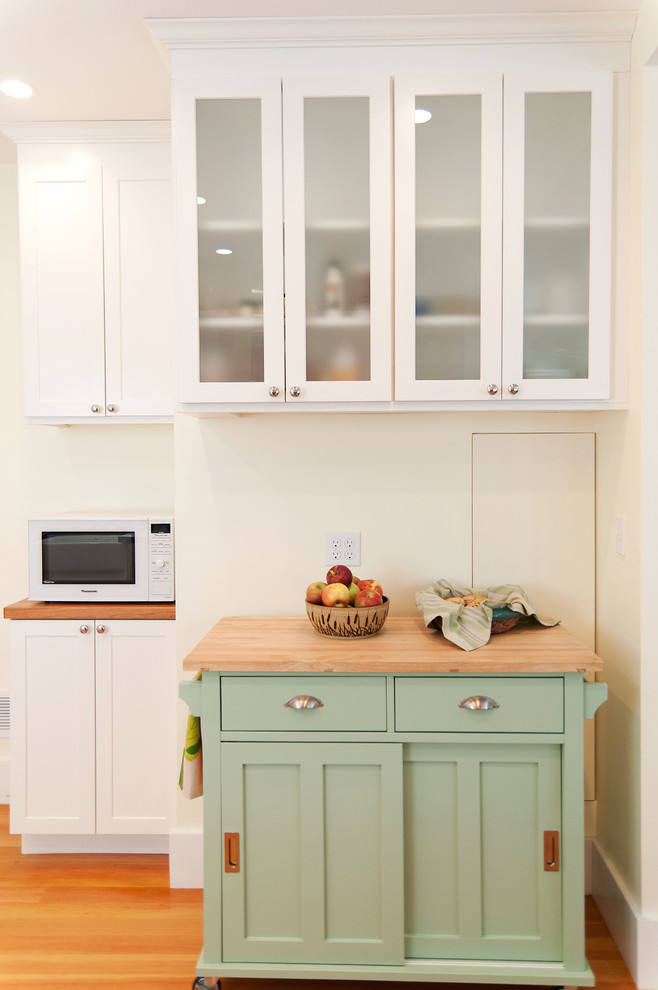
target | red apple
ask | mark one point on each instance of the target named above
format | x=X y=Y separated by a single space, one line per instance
x=374 y=585
x=314 y=592
x=339 y=574
x=366 y=597
x=336 y=594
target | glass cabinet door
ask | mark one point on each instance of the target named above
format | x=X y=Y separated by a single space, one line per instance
x=337 y=238
x=448 y=182
x=556 y=315
x=235 y=194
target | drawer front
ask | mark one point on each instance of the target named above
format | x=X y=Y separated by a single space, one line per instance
x=356 y=704
x=525 y=704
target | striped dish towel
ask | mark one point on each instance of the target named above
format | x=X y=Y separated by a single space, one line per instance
x=190 y=780
x=469 y=627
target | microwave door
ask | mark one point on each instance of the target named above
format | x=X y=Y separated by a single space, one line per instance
x=101 y=565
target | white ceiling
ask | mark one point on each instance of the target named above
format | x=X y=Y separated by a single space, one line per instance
x=97 y=59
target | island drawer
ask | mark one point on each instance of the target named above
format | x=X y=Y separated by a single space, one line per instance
x=349 y=703
x=436 y=704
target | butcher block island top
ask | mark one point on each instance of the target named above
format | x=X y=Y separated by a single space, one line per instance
x=275 y=644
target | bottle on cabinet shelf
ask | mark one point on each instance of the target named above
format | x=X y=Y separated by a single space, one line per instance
x=334 y=289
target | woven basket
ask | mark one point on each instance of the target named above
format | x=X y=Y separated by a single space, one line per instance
x=502 y=619
x=347 y=622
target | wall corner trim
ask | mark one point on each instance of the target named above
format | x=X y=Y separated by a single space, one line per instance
x=186 y=858
x=635 y=934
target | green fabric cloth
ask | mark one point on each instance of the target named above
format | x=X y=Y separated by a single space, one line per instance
x=470 y=627
x=190 y=779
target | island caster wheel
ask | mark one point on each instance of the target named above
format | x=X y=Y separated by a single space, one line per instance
x=206 y=983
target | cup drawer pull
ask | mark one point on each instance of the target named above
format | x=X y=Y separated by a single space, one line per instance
x=303 y=701
x=479 y=703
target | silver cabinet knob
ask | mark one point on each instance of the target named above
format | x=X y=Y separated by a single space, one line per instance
x=512 y=389
x=273 y=390
x=96 y=408
x=479 y=703
x=295 y=391
x=111 y=407
x=492 y=389
x=84 y=629
x=303 y=701
x=100 y=629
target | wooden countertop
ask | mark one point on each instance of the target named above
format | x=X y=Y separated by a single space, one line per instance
x=90 y=610
x=276 y=644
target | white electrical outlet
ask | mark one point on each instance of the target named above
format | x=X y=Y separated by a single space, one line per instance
x=343 y=548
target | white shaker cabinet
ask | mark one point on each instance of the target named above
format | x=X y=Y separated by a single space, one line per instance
x=93 y=745
x=284 y=236
x=503 y=237
x=96 y=235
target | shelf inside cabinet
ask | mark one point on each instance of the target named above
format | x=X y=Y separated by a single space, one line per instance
x=235 y=323
x=557 y=223
x=448 y=321
x=327 y=321
x=556 y=320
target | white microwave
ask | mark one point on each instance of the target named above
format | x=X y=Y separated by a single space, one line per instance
x=101 y=559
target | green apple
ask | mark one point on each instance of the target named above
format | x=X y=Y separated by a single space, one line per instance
x=353 y=590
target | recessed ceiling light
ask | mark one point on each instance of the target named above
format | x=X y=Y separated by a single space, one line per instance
x=17 y=88
x=223 y=251
x=422 y=115
x=200 y=200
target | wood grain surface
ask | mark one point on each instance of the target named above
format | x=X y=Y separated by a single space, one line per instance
x=90 y=610
x=404 y=645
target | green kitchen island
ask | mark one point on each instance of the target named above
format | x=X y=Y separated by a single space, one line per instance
x=392 y=807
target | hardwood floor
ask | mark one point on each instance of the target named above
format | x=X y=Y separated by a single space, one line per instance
x=80 y=922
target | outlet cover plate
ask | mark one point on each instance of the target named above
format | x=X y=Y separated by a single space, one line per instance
x=343 y=548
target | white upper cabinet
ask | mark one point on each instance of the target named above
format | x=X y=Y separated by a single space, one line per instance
x=502 y=253
x=96 y=271
x=402 y=225
x=284 y=236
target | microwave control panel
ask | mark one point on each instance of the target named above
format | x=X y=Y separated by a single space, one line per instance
x=161 y=560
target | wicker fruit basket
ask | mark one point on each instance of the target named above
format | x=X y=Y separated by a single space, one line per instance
x=347 y=622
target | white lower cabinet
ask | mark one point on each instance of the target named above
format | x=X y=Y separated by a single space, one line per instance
x=93 y=747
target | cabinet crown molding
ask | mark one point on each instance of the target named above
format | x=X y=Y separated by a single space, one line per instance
x=180 y=33
x=86 y=131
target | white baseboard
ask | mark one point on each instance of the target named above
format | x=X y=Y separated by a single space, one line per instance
x=635 y=934
x=186 y=858
x=37 y=844
x=4 y=780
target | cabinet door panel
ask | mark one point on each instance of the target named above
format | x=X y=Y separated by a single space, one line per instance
x=337 y=238
x=139 y=326
x=557 y=224
x=135 y=715
x=230 y=235
x=474 y=871
x=320 y=875
x=448 y=247
x=53 y=765
x=62 y=290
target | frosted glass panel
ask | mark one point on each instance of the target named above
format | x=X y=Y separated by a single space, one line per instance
x=557 y=216
x=230 y=240
x=448 y=235
x=337 y=229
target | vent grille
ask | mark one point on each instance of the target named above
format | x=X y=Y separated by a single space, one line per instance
x=4 y=713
